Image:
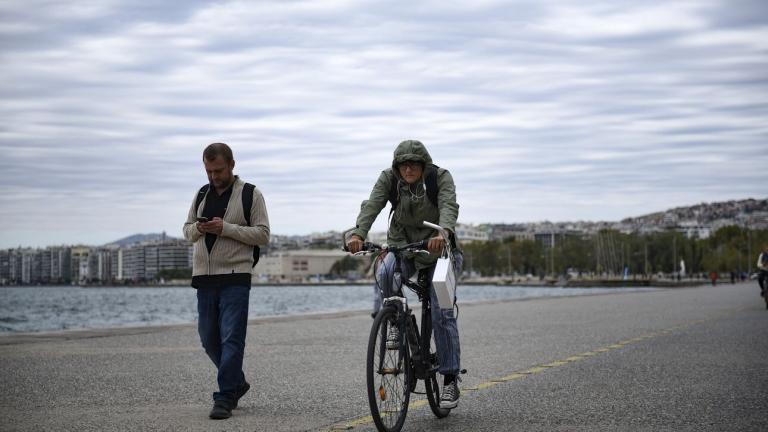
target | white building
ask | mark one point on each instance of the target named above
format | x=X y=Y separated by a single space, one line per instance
x=469 y=233
x=693 y=229
x=297 y=265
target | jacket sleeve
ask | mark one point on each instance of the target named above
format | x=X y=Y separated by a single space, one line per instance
x=258 y=232
x=190 y=226
x=446 y=201
x=371 y=207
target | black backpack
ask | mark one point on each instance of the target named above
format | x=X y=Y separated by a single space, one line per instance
x=247 y=196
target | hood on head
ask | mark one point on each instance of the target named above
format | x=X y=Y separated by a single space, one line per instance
x=411 y=150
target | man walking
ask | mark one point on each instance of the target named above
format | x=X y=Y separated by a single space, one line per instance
x=418 y=191
x=227 y=222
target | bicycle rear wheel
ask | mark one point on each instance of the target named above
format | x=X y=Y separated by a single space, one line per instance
x=388 y=372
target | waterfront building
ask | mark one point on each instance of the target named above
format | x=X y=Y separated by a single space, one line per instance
x=174 y=255
x=145 y=261
x=79 y=263
x=500 y=232
x=116 y=259
x=15 y=266
x=45 y=265
x=298 y=265
x=151 y=261
x=102 y=265
x=60 y=264
x=5 y=267
x=134 y=263
x=468 y=233
x=693 y=229
x=31 y=264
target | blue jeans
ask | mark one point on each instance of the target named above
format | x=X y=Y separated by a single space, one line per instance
x=222 y=322
x=444 y=326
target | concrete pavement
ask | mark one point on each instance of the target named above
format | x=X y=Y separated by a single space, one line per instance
x=676 y=359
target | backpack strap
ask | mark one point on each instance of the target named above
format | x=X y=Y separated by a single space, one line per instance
x=201 y=196
x=430 y=182
x=247 y=196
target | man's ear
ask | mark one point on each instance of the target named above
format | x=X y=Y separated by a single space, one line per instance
x=232 y=164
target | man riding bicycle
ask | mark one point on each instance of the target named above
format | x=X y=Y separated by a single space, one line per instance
x=418 y=191
x=762 y=268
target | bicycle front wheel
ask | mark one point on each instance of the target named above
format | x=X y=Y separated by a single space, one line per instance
x=388 y=373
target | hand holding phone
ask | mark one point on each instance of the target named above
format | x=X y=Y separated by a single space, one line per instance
x=202 y=219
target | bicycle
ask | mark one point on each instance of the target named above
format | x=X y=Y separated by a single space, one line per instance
x=395 y=364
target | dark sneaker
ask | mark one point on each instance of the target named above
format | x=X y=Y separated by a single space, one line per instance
x=450 y=397
x=241 y=392
x=221 y=410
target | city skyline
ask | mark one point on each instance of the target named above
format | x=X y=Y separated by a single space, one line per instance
x=697 y=220
x=555 y=110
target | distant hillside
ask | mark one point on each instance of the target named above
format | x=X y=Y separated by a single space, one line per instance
x=138 y=238
x=748 y=211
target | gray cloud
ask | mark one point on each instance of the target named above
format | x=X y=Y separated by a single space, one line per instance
x=542 y=110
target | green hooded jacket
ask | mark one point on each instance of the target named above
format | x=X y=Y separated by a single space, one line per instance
x=414 y=206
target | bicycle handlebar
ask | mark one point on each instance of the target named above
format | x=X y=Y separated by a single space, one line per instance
x=413 y=247
x=419 y=246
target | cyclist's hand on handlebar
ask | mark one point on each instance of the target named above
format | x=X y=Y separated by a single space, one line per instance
x=355 y=244
x=436 y=244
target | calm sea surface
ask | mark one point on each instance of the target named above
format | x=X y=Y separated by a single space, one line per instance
x=37 y=309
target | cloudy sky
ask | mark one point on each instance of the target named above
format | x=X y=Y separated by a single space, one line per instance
x=542 y=110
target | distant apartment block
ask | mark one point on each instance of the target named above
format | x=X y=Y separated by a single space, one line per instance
x=34 y=266
x=85 y=264
x=144 y=261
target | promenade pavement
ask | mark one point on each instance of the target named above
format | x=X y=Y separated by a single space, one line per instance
x=675 y=359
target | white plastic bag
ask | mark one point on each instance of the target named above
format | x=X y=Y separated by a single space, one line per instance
x=444 y=281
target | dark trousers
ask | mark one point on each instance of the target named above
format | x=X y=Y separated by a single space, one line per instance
x=222 y=322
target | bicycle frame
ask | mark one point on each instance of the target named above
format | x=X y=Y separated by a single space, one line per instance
x=418 y=341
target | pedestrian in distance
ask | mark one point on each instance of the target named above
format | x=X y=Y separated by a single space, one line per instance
x=762 y=270
x=226 y=223
x=418 y=191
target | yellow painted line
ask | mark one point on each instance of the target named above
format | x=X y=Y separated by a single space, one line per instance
x=555 y=364
x=514 y=376
x=486 y=385
x=533 y=370
x=541 y=368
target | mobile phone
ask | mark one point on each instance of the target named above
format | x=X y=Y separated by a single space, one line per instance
x=202 y=219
